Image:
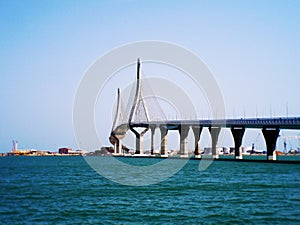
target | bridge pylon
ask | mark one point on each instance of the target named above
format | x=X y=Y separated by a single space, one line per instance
x=138 y=99
x=119 y=129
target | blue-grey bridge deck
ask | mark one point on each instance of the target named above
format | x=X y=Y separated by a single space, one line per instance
x=282 y=123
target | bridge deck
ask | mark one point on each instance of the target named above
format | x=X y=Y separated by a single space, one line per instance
x=283 y=123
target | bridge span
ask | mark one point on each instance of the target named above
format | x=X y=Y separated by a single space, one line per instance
x=280 y=122
x=270 y=128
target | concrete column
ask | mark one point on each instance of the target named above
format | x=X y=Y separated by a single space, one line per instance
x=119 y=146
x=214 y=132
x=183 y=131
x=152 y=128
x=197 y=132
x=164 y=140
x=115 y=148
x=139 y=144
x=238 y=133
x=271 y=135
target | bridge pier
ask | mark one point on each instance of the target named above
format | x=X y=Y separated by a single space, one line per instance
x=115 y=148
x=197 y=132
x=164 y=141
x=152 y=129
x=116 y=141
x=271 y=134
x=118 y=147
x=183 y=131
x=139 y=144
x=238 y=133
x=214 y=132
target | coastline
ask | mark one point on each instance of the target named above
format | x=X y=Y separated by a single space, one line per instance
x=284 y=159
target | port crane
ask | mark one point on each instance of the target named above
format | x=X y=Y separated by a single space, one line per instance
x=289 y=137
x=254 y=143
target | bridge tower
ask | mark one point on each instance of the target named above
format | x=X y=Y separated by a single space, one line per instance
x=118 y=132
x=138 y=100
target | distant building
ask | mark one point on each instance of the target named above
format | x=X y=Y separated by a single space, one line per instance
x=64 y=150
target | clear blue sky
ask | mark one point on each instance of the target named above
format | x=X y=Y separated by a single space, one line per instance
x=252 y=48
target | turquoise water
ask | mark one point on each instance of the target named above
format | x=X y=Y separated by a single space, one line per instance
x=264 y=157
x=65 y=190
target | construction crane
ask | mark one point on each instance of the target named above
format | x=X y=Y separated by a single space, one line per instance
x=254 y=143
x=291 y=137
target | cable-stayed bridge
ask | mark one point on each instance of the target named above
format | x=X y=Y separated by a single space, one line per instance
x=145 y=111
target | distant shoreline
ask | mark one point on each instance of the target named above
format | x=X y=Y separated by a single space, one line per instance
x=206 y=157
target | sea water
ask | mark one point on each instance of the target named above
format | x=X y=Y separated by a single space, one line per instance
x=66 y=190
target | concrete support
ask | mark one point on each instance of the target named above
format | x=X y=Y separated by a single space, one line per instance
x=139 y=140
x=119 y=147
x=139 y=144
x=164 y=140
x=152 y=128
x=183 y=131
x=271 y=135
x=115 y=148
x=117 y=144
x=197 y=132
x=238 y=133
x=214 y=132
